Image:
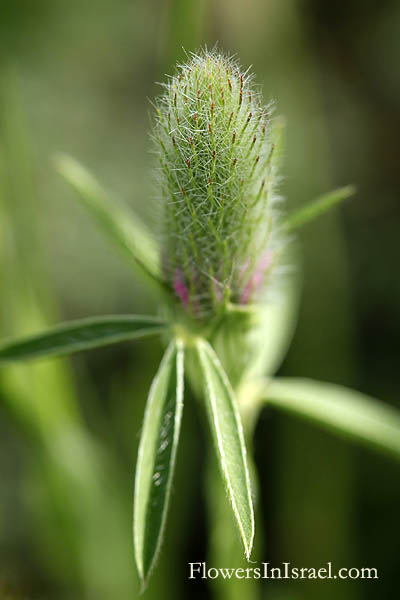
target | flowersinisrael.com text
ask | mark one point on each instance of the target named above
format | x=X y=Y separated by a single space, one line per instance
x=200 y=570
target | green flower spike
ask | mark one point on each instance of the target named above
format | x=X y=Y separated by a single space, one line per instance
x=221 y=246
x=218 y=159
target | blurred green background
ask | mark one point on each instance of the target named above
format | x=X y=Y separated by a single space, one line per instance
x=76 y=77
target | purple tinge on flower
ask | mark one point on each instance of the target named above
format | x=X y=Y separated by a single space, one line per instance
x=180 y=288
x=256 y=279
x=218 y=147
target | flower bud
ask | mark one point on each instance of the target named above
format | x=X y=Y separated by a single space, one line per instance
x=215 y=142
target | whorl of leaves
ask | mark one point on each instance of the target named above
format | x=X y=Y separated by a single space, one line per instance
x=218 y=165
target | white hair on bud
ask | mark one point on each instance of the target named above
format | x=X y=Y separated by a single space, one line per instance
x=218 y=157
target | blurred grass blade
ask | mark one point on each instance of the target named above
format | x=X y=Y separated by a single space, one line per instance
x=338 y=409
x=313 y=210
x=81 y=335
x=121 y=225
x=156 y=459
x=228 y=435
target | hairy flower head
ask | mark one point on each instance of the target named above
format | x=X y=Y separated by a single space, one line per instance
x=218 y=162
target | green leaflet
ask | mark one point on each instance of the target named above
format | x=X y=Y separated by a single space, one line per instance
x=81 y=335
x=339 y=409
x=314 y=209
x=121 y=225
x=156 y=458
x=228 y=436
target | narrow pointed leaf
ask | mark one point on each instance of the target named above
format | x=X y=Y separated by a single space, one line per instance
x=338 y=409
x=119 y=224
x=229 y=440
x=156 y=459
x=81 y=335
x=317 y=208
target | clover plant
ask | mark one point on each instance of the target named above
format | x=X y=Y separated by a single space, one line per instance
x=220 y=266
